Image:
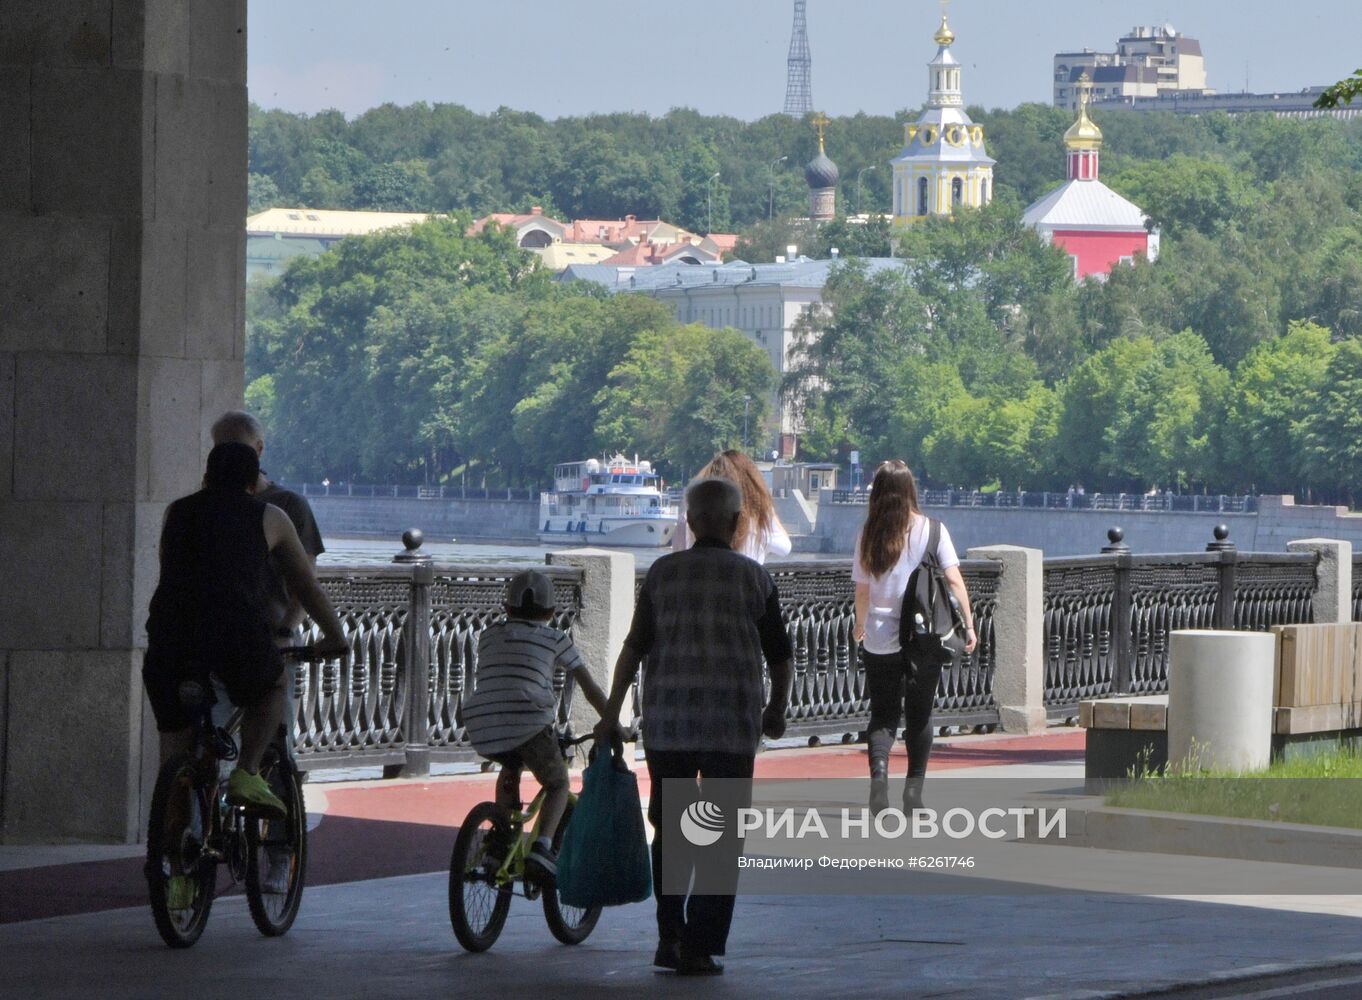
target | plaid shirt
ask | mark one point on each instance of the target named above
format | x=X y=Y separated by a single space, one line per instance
x=705 y=618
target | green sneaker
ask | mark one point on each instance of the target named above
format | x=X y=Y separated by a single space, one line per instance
x=253 y=793
x=180 y=892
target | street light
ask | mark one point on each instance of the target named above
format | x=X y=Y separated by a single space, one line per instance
x=709 y=190
x=746 y=401
x=771 y=186
x=859 y=174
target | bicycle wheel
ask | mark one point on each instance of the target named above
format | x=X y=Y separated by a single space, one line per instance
x=569 y=924
x=276 y=851
x=477 y=906
x=181 y=877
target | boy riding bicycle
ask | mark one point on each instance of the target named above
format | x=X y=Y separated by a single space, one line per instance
x=510 y=715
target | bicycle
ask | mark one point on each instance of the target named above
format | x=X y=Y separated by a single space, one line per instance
x=193 y=829
x=480 y=888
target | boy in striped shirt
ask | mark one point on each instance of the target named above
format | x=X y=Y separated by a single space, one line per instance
x=509 y=716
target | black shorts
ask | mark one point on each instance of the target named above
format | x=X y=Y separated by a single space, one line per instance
x=248 y=677
x=540 y=753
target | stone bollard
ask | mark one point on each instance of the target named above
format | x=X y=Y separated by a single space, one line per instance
x=416 y=660
x=1332 y=604
x=1019 y=637
x=1220 y=700
x=607 y=611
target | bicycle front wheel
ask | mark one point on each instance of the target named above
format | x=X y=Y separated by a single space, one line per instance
x=276 y=856
x=569 y=924
x=181 y=877
x=477 y=905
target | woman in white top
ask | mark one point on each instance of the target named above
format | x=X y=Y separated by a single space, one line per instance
x=888 y=548
x=760 y=533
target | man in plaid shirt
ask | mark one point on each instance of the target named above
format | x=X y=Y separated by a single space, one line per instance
x=705 y=619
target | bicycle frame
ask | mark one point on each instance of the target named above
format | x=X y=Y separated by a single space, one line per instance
x=513 y=867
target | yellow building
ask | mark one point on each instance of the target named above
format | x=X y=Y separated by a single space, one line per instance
x=943 y=163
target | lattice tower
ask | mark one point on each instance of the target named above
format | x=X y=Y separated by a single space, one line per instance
x=799 y=67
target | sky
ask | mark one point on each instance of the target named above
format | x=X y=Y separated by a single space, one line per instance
x=728 y=56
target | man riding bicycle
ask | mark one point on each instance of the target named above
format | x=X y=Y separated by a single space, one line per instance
x=210 y=614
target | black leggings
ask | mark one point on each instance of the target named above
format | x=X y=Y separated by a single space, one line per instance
x=900 y=688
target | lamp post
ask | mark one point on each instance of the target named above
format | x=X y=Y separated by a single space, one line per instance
x=746 y=401
x=771 y=186
x=859 y=174
x=709 y=193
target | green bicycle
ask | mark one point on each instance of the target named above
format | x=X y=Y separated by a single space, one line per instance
x=480 y=887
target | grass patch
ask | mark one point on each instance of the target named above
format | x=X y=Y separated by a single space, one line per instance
x=1324 y=790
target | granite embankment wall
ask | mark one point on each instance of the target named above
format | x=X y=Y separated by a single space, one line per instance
x=1084 y=532
x=441 y=520
x=1055 y=532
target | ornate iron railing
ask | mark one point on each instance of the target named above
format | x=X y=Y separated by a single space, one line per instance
x=1357 y=587
x=359 y=711
x=1274 y=589
x=1108 y=618
x=1080 y=659
x=817 y=601
x=1038 y=499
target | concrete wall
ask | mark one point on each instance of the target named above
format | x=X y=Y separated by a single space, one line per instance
x=1084 y=532
x=122 y=190
x=441 y=520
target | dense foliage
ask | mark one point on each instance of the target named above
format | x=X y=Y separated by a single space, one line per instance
x=419 y=353
x=1232 y=363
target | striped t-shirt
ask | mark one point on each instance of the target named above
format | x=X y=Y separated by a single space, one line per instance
x=513 y=695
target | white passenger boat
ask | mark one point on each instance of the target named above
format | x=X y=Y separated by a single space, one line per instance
x=615 y=502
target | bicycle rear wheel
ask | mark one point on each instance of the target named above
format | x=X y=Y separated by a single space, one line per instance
x=569 y=924
x=477 y=905
x=181 y=877
x=276 y=850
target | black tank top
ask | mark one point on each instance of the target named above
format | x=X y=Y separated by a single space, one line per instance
x=212 y=599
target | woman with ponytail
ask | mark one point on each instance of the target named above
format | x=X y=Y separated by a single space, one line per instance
x=889 y=547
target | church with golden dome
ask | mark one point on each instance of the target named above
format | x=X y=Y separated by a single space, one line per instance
x=943 y=165
x=1093 y=224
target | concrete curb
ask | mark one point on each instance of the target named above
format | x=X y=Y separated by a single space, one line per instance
x=1114 y=829
x=1214 y=979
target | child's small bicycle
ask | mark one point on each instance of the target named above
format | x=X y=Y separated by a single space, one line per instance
x=481 y=886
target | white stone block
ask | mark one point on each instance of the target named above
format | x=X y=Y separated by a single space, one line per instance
x=169 y=441
x=1019 y=637
x=55 y=292
x=1333 y=578
x=607 y=611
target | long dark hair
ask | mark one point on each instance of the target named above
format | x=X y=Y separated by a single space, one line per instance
x=893 y=502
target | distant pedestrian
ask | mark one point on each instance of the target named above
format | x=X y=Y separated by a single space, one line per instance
x=890 y=545
x=759 y=533
x=705 y=619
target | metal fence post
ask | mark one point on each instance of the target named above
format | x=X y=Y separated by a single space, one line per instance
x=415 y=664
x=1229 y=558
x=1121 y=611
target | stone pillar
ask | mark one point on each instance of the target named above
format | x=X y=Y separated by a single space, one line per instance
x=607 y=610
x=1220 y=700
x=122 y=195
x=1333 y=604
x=1019 y=637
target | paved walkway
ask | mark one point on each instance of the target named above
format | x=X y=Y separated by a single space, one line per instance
x=374 y=923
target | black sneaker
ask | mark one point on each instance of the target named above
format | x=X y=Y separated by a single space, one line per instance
x=668 y=955
x=691 y=964
x=542 y=861
x=495 y=846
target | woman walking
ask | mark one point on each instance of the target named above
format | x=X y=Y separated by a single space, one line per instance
x=760 y=533
x=890 y=546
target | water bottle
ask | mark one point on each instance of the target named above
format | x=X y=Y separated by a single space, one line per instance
x=919 y=624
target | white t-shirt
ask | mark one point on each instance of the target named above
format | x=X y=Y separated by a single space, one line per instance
x=886 y=592
x=756 y=545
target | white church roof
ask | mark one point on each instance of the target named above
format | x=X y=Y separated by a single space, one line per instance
x=1080 y=204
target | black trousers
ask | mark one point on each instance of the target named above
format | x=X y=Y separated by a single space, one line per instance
x=699 y=923
x=900 y=689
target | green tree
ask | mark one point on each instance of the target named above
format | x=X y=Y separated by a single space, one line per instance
x=1332 y=430
x=1276 y=390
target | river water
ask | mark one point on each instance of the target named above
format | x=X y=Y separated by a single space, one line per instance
x=379 y=551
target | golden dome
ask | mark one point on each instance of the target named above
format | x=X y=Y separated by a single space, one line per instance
x=1083 y=133
x=944 y=35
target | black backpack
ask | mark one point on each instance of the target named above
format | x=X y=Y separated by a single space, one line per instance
x=930 y=627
